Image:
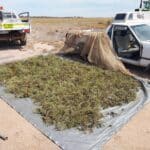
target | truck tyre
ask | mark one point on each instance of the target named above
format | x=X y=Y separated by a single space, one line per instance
x=23 y=41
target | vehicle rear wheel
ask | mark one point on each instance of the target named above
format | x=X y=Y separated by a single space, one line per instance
x=23 y=41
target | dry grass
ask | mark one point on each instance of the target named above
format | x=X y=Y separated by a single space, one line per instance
x=96 y=23
x=53 y=30
x=70 y=94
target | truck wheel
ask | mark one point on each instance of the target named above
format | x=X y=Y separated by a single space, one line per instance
x=23 y=41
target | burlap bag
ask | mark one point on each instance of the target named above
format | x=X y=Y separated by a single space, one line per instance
x=94 y=47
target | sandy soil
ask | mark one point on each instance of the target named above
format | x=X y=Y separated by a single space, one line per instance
x=16 y=53
x=21 y=134
x=135 y=135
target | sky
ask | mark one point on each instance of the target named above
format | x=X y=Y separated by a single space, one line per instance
x=63 y=8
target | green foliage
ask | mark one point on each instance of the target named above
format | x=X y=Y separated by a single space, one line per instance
x=70 y=94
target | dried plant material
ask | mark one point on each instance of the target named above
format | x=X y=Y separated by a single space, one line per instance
x=70 y=94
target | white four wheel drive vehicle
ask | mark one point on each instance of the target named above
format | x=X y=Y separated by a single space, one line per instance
x=14 y=27
x=130 y=36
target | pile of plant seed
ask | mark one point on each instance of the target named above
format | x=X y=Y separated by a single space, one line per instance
x=69 y=94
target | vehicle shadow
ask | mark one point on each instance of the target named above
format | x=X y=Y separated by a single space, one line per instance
x=139 y=71
x=9 y=46
x=73 y=57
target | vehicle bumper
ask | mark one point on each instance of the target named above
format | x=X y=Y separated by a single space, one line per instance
x=11 y=35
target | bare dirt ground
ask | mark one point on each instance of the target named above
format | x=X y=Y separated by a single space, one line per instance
x=10 y=53
x=48 y=35
x=21 y=134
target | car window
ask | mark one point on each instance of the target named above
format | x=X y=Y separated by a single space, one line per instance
x=120 y=17
x=124 y=39
x=110 y=31
x=142 y=31
x=130 y=17
x=8 y=15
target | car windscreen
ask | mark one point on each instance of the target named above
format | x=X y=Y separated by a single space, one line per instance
x=142 y=31
x=8 y=15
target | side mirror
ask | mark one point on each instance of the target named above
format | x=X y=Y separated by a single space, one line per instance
x=136 y=10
